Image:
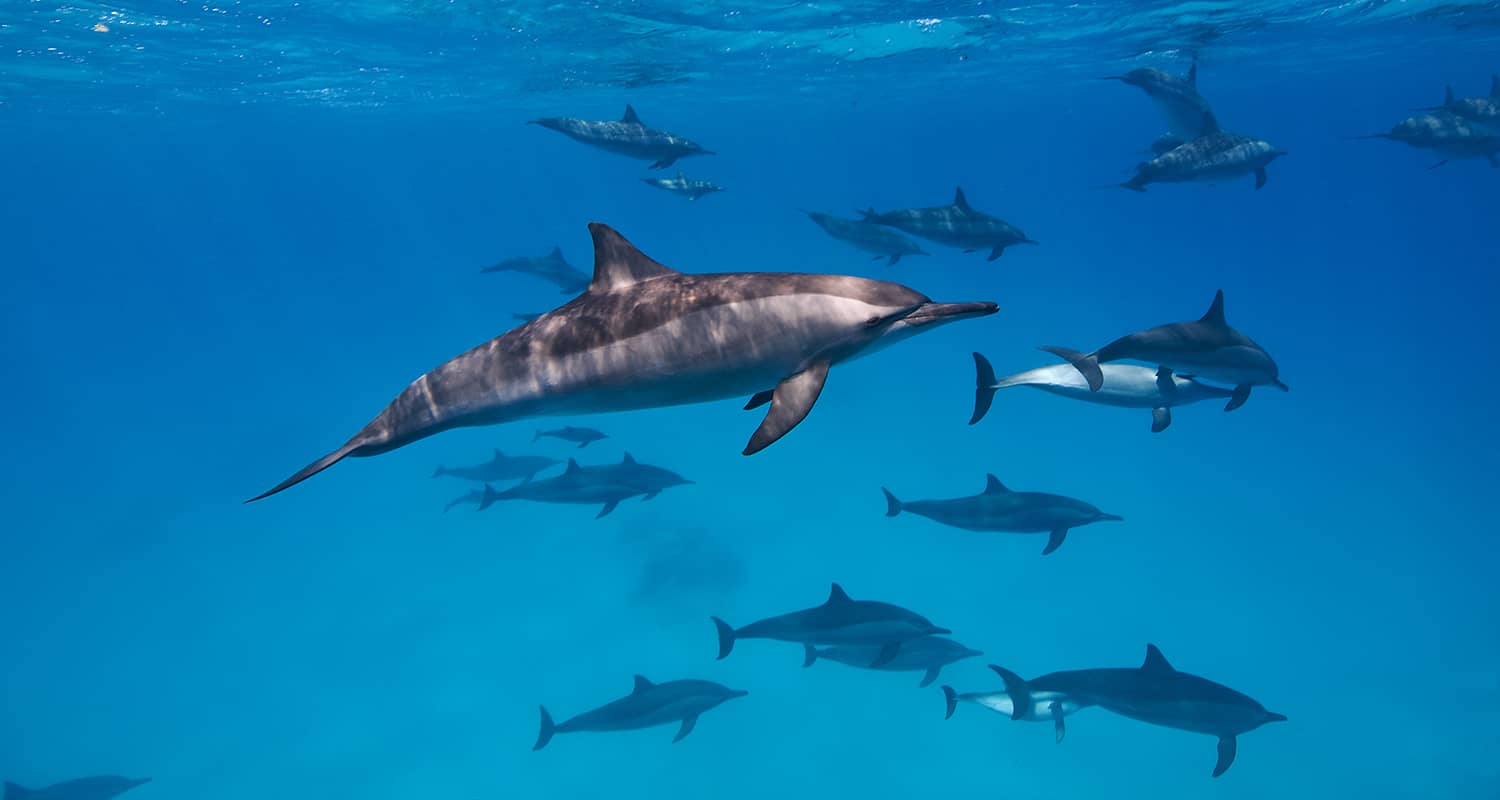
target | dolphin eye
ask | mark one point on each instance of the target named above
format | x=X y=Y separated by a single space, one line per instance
x=873 y=321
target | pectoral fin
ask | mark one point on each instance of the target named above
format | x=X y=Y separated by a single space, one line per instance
x=663 y=163
x=1055 y=540
x=1058 y=726
x=608 y=507
x=759 y=399
x=1160 y=419
x=1227 y=747
x=1260 y=178
x=687 y=728
x=1241 y=394
x=649 y=495
x=932 y=675
x=790 y=402
x=887 y=653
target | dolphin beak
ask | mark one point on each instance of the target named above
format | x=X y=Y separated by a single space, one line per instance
x=1110 y=518
x=940 y=632
x=1272 y=716
x=947 y=312
x=739 y=693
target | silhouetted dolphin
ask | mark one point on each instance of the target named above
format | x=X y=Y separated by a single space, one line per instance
x=958 y=225
x=928 y=655
x=607 y=484
x=1154 y=693
x=648 y=705
x=476 y=497
x=628 y=137
x=1474 y=109
x=500 y=468
x=1125 y=385
x=551 y=267
x=1045 y=699
x=998 y=509
x=98 y=788
x=684 y=186
x=867 y=236
x=583 y=437
x=1207 y=348
x=839 y=620
x=1448 y=135
x=1212 y=157
x=646 y=336
x=1177 y=98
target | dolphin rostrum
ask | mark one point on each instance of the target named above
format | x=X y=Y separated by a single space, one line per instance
x=499 y=468
x=957 y=225
x=1048 y=698
x=1212 y=157
x=838 y=621
x=102 y=787
x=1207 y=348
x=628 y=137
x=608 y=485
x=1177 y=98
x=998 y=509
x=684 y=186
x=583 y=437
x=552 y=268
x=1125 y=386
x=927 y=655
x=867 y=236
x=646 y=336
x=1154 y=693
x=648 y=705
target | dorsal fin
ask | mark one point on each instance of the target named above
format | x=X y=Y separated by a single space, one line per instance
x=617 y=263
x=1155 y=661
x=836 y=596
x=641 y=684
x=572 y=466
x=1495 y=86
x=498 y=455
x=627 y=459
x=1192 y=76
x=556 y=252
x=1210 y=123
x=1448 y=95
x=630 y=117
x=1215 y=313
x=961 y=201
x=992 y=485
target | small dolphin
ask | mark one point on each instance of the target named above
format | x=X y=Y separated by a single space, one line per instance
x=958 y=225
x=839 y=621
x=867 y=236
x=648 y=705
x=1155 y=693
x=1212 y=157
x=1207 y=348
x=1177 y=98
x=646 y=336
x=1125 y=386
x=927 y=655
x=1474 y=109
x=607 y=484
x=1047 y=698
x=998 y=509
x=98 y=788
x=1449 y=135
x=628 y=137
x=500 y=468
x=551 y=267
x=583 y=437
x=475 y=496
x=684 y=186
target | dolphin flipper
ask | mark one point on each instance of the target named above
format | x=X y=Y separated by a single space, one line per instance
x=1260 y=178
x=951 y=698
x=1161 y=418
x=1055 y=540
x=897 y=257
x=1059 y=727
x=887 y=654
x=927 y=679
x=649 y=496
x=687 y=728
x=1086 y=363
x=996 y=253
x=1438 y=164
x=1228 y=745
x=790 y=402
x=759 y=399
x=663 y=163
x=984 y=388
x=1241 y=394
x=608 y=507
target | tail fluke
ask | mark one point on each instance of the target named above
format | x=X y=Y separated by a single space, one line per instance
x=892 y=505
x=1086 y=363
x=312 y=469
x=726 y=636
x=984 y=388
x=951 y=698
x=809 y=655
x=545 y=734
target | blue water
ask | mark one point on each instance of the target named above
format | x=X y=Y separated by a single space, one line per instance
x=232 y=234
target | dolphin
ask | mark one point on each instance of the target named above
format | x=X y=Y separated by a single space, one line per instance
x=1207 y=348
x=102 y=787
x=839 y=621
x=684 y=186
x=628 y=137
x=1048 y=698
x=927 y=655
x=1448 y=135
x=1474 y=109
x=500 y=468
x=551 y=267
x=1166 y=143
x=608 y=484
x=998 y=509
x=1177 y=98
x=646 y=336
x=1212 y=157
x=1125 y=386
x=957 y=225
x=867 y=236
x=583 y=437
x=475 y=496
x=648 y=705
x=1154 y=693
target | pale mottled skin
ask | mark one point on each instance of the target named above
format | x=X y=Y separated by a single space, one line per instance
x=1448 y=135
x=1475 y=109
x=1213 y=157
x=684 y=186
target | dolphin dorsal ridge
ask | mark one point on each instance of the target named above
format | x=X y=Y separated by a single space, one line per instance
x=572 y=466
x=837 y=596
x=1210 y=123
x=641 y=684
x=1215 y=313
x=992 y=485
x=960 y=201
x=631 y=118
x=628 y=459
x=617 y=262
x=1155 y=661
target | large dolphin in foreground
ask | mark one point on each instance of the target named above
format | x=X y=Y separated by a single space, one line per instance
x=998 y=509
x=1048 y=698
x=648 y=705
x=1207 y=348
x=102 y=787
x=1125 y=386
x=957 y=225
x=552 y=268
x=927 y=655
x=646 y=336
x=607 y=485
x=1212 y=157
x=840 y=620
x=1177 y=98
x=628 y=137
x=1154 y=693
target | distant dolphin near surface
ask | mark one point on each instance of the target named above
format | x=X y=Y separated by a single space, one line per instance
x=552 y=268
x=648 y=705
x=102 y=787
x=839 y=621
x=998 y=509
x=628 y=137
x=646 y=336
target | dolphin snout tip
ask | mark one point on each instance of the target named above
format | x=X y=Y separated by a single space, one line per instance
x=940 y=632
x=1111 y=518
x=1272 y=716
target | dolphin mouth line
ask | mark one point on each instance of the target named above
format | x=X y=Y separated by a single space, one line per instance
x=933 y=312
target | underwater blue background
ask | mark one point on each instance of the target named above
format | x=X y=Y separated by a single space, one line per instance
x=211 y=276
